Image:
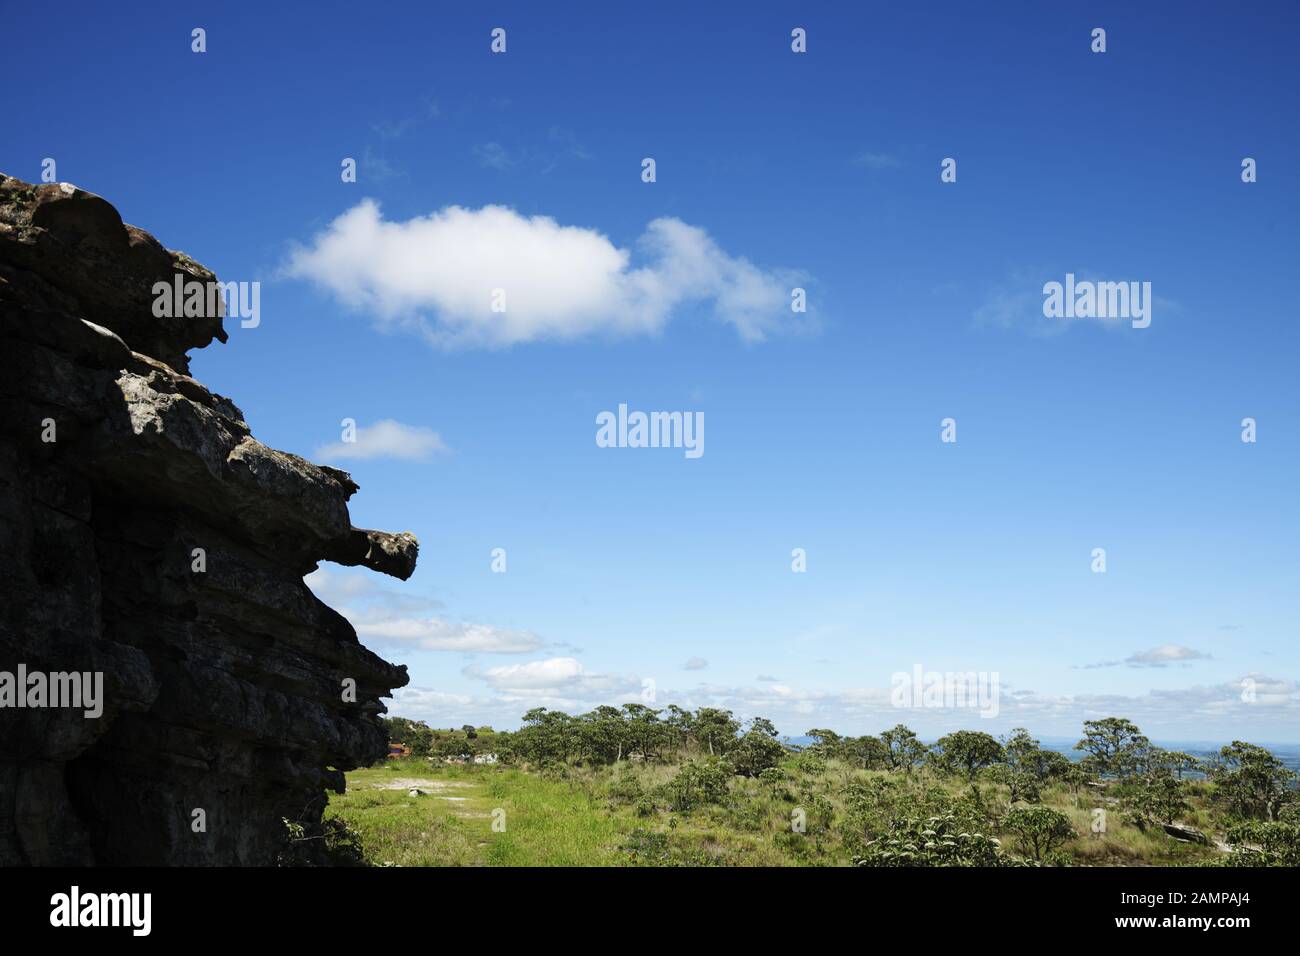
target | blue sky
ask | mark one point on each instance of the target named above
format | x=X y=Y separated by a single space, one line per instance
x=823 y=430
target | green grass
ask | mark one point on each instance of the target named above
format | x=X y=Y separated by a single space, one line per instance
x=546 y=822
x=578 y=816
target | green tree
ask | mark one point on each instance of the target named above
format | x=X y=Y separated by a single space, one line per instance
x=827 y=742
x=454 y=747
x=1173 y=762
x=1023 y=785
x=1114 y=746
x=1026 y=754
x=715 y=730
x=968 y=752
x=1156 y=798
x=679 y=726
x=867 y=752
x=903 y=748
x=1250 y=780
x=547 y=736
x=604 y=735
x=645 y=732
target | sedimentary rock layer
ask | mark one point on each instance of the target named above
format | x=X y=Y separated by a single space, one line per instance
x=148 y=537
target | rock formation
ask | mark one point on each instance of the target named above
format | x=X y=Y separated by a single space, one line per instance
x=147 y=537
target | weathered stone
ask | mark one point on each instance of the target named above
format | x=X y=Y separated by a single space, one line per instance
x=223 y=688
x=1185 y=833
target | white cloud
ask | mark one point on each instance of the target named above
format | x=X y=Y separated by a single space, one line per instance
x=334 y=587
x=436 y=275
x=535 y=675
x=1165 y=654
x=1270 y=713
x=696 y=664
x=387 y=617
x=1161 y=656
x=442 y=709
x=386 y=439
x=557 y=682
x=436 y=634
x=408 y=699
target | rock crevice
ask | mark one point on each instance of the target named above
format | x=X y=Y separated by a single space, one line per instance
x=147 y=537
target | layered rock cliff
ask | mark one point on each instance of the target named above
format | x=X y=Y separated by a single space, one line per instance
x=148 y=537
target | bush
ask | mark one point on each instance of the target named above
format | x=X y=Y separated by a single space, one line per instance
x=818 y=812
x=1265 y=844
x=1040 y=829
x=932 y=841
x=811 y=763
x=625 y=790
x=330 y=843
x=1154 y=800
x=755 y=753
x=700 y=782
x=653 y=848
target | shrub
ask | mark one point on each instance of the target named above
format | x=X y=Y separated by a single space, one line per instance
x=1040 y=829
x=1265 y=844
x=932 y=841
x=625 y=790
x=1155 y=799
x=330 y=843
x=755 y=753
x=700 y=782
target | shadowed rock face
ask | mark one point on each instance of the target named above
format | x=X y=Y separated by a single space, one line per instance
x=223 y=688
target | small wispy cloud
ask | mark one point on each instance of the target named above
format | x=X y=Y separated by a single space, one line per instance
x=561 y=145
x=396 y=129
x=695 y=664
x=1016 y=303
x=376 y=168
x=565 y=143
x=876 y=160
x=495 y=156
x=386 y=439
x=1162 y=656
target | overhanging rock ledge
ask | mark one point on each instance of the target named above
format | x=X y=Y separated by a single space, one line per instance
x=224 y=704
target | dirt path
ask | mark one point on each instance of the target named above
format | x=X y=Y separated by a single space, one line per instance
x=416 y=783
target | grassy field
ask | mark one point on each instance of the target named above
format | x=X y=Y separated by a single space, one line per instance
x=539 y=822
x=608 y=816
